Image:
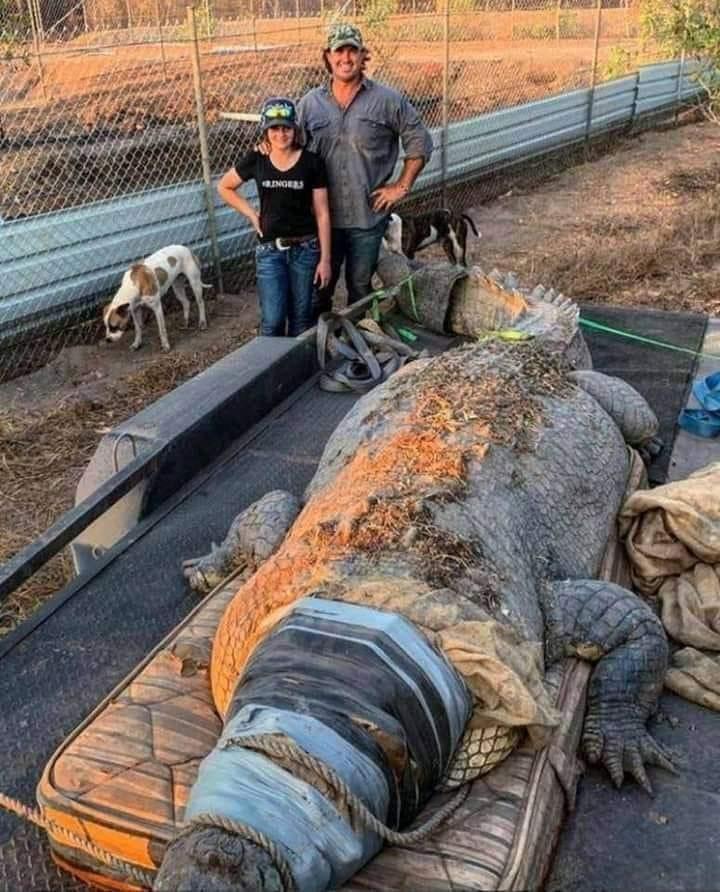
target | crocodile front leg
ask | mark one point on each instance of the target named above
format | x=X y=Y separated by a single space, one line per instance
x=253 y=536
x=601 y=621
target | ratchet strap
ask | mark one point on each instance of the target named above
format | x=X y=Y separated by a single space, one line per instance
x=368 y=355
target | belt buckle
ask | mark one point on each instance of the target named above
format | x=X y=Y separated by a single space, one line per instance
x=280 y=245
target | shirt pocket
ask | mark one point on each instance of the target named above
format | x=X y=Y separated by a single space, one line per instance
x=319 y=133
x=375 y=136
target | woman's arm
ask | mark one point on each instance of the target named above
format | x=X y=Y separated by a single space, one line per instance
x=322 y=215
x=227 y=186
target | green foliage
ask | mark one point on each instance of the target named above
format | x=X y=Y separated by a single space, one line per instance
x=532 y=32
x=569 y=26
x=376 y=13
x=620 y=62
x=692 y=26
x=14 y=32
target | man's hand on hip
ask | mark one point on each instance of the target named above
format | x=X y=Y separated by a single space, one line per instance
x=386 y=196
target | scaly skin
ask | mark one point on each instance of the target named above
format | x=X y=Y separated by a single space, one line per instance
x=597 y=620
x=253 y=536
x=536 y=515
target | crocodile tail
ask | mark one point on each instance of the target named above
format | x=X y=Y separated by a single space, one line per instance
x=556 y=322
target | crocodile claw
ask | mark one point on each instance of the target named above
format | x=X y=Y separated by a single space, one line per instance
x=625 y=750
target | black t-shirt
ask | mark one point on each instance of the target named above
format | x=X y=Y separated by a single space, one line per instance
x=285 y=195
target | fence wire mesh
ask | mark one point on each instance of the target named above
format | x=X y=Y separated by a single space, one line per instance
x=98 y=101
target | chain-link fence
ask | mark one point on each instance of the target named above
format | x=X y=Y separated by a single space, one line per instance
x=102 y=99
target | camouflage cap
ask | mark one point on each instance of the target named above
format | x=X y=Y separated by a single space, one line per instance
x=344 y=35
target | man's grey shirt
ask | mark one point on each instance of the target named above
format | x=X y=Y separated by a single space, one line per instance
x=360 y=145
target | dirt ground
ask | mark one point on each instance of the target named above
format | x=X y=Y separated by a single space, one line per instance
x=52 y=420
x=639 y=226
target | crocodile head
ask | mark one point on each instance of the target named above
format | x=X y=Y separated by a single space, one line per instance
x=209 y=859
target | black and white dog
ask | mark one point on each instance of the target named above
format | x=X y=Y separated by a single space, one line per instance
x=407 y=235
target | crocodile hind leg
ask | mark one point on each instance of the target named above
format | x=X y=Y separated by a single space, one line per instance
x=628 y=409
x=253 y=536
x=603 y=622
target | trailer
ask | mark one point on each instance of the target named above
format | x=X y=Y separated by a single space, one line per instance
x=257 y=421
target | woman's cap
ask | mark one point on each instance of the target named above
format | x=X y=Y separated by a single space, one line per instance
x=278 y=112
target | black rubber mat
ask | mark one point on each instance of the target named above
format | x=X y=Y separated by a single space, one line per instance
x=57 y=674
x=662 y=375
x=620 y=840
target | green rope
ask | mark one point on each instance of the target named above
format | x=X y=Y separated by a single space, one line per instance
x=411 y=289
x=597 y=326
x=381 y=293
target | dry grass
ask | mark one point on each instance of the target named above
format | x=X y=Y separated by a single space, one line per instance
x=638 y=228
x=43 y=454
x=682 y=244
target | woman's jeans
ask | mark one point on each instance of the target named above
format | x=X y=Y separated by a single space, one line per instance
x=285 y=286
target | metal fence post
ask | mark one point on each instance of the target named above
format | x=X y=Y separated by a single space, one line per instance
x=593 y=75
x=681 y=71
x=445 y=99
x=558 y=18
x=204 y=153
x=160 y=37
x=34 y=26
x=678 y=95
x=39 y=21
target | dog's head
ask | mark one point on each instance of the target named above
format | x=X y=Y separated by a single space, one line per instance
x=116 y=318
x=392 y=240
x=138 y=282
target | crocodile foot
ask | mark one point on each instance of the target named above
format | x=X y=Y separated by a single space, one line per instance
x=604 y=623
x=619 y=740
x=253 y=536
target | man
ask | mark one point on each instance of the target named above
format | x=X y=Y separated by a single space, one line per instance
x=356 y=125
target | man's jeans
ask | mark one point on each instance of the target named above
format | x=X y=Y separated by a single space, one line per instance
x=285 y=286
x=359 y=248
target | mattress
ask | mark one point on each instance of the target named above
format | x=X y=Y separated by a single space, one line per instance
x=122 y=779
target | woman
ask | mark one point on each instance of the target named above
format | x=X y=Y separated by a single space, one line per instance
x=293 y=224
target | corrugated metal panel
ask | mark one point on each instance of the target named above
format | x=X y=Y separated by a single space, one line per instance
x=63 y=260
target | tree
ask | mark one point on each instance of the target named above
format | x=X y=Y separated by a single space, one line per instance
x=692 y=26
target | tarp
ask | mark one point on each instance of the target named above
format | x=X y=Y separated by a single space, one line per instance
x=672 y=537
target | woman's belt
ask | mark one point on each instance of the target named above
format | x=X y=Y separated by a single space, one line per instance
x=285 y=242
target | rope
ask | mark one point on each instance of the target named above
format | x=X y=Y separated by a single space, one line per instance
x=35 y=816
x=271 y=745
x=588 y=323
x=211 y=819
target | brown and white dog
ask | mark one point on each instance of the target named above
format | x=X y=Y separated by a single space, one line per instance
x=407 y=235
x=143 y=286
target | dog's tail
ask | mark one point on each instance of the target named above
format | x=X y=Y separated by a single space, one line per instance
x=470 y=220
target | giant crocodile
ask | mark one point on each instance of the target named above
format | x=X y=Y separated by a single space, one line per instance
x=465 y=502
